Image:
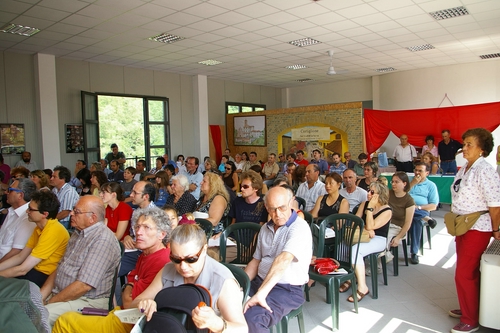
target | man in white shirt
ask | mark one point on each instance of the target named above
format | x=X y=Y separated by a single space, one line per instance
x=26 y=162
x=404 y=154
x=354 y=194
x=194 y=176
x=312 y=188
x=16 y=229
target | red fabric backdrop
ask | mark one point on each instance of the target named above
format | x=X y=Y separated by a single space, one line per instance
x=217 y=141
x=417 y=124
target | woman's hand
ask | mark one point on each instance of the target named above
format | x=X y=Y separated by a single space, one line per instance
x=148 y=307
x=205 y=317
x=373 y=201
x=496 y=235
x=371 y=233
x=128 y=242
x=395 y=241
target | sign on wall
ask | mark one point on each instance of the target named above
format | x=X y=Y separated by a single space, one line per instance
x=311 y=134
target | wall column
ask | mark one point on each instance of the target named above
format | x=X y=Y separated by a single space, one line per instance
x=46 y=109
x=200 y=128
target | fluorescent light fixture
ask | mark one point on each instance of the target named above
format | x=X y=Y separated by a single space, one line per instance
x=386 y=69
x=166 y=38
x=210 y=62
x=17 y=29
x=420 y=47
x=304 y=80
x=295 y=67
x=449 y=13
x=304 y=42
x=490 y=56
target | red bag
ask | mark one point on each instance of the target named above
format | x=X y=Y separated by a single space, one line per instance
x=324 y=266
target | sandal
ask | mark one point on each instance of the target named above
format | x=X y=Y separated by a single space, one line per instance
x=345 y=287
x=360 y=294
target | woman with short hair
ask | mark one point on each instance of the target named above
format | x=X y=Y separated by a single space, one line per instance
x=181 y=198
x=370 y=170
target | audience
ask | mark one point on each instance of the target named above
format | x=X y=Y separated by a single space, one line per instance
x=162 y=185
x=97 y=179
x=40 y=179
x=214 y=201
x=66 y=194
x=230 y=177
x=250 y=206
x=180 y=197
x=128 y=182
x=312 y=188
x=354 y=194
x=370 y=175
x=118 y=213
x=26 y=162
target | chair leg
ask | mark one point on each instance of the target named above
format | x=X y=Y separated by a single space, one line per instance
x=422 y=242
x=374 y=275
x=333 y=290
x=300 y=319
x=427 y=226
x=306 y=290
x=395 y=260
x=405 y=251
x=384 y=269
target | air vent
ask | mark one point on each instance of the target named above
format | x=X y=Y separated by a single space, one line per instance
x=386 y=69
x=420 y=48
x=304 y=42
x=166 y=38
x=304 y=80
x=490 y=56
x=295 y=67
x=449 y=13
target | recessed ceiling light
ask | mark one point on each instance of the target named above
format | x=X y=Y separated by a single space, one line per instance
x=294 y=67
x=386 y=69
x=449 y=13
x=490 y=56
x=19 y=29
x=166 y=38
x=304 y=42
x=303 y=80
x=210 y=62
x=420 y=47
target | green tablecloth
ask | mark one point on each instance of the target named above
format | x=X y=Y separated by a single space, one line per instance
x=443 y=184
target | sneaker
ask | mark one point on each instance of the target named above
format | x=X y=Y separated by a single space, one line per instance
x=455 y=313
x=432 y=223
x=414 y=259
x=388 y=256
x=464 y=328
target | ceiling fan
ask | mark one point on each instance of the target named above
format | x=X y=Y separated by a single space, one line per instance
x=331 y=70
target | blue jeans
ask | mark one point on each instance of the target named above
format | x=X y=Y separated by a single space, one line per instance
x=449 y=167
x=416 y=228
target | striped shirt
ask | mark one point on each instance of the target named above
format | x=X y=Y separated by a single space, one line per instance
x=67 y=197
x=310 y=195
x=92 y=256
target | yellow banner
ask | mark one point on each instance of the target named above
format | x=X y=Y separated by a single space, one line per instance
x=311 y=134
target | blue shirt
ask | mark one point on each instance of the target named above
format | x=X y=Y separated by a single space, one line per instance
x=338 y=169
x=425 y=193
x=322 y=165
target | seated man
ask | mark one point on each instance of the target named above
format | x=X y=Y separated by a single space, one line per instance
x=152 y=226
x=280 y=264
x=191 y=264
x=85 y=274
x=47 y=243
x=250 y=206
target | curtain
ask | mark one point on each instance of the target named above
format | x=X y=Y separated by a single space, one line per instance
x=217 y=142
x=419 y=123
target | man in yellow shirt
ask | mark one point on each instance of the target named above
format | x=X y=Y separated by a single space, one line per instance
x=46 y=246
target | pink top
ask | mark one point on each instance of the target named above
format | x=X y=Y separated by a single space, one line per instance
x=434 y=150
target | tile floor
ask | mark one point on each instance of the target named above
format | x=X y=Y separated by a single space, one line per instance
x=417 y=300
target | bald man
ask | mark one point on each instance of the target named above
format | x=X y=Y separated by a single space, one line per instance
x=404 y=154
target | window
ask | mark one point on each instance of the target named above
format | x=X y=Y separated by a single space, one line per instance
x=243 y=107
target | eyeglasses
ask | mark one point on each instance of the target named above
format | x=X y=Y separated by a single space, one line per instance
x=456 y=185
x=245 y=186
x=78 y=212
x=189 y=259
x=282 y=209
x=135 y=192
x=146 y=227
x=31 y=209
x=229 y=169
x=13 y=189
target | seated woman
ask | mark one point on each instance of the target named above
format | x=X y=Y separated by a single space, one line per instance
x=162 y=182
x=40 y=179
x=230 y=177
x=210 y=165
x=191 y=264
x=333 y=202
x=214 y=201
x=403 y=207
x=432 y=163
x=84 y=177
x=152 y=227
x=47 y=243
x=181 y=199
x=97 y=179
x=370 y=170
x=239 y=163
x=118 y=213
x=377 y=214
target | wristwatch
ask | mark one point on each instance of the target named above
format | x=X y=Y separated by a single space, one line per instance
x=369 y=209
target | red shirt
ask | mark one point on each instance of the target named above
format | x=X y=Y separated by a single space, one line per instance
x=145 y=270
x=122 y=212
x=303 y=162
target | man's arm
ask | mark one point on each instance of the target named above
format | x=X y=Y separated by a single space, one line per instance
x=75 y=290
x=10 y=254
x=48 y=286
x=127 y=297
x=252 y=268
x=23 y=268
x=62 y=214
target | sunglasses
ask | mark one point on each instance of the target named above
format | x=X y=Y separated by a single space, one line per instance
x=245 y=186
x=13 y=189
x=372 y=192
x=228 y=168
x=456 y=185
x=189 y=260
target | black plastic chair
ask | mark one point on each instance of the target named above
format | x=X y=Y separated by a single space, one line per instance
x=301 y=202
x=373 y=258
x=111 y=302
x=395 y=253
x=344 y=226
x=241 y=277
x=245 y=235
x=206 y=225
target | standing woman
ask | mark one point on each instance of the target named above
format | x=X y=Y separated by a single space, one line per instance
x=370 y=170
x=430 y=146
x=230 y=177
x=162 y=188
x=476 y=189
x=118 y=213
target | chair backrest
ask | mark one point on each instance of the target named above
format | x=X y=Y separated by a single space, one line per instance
x=344 y=226
x=111 y=303
x=301 y=202
x=241 y=277
x=206 y=225
x=308 y=217
x=245 y=235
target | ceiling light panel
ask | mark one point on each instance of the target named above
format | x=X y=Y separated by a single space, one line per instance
x=386 y=69
x=303 y=80
x=21 y=30
x=304 y=42
x=449 y=13
x=166 y=38
x=420 y=48
x=295 y=67
x=210 y=62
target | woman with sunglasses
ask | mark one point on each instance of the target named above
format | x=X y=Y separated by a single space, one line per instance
x=118 y=213
x=230 y=177
x=476 y=189
x=189 y=263
x=377 y=214
x=214 y=201
x=370 y=170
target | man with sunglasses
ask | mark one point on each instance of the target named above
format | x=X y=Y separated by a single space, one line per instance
x=250 y=206
x=16 y=229
x=426 y=197
x=46 y=245
x=85 y=274
x=280 y=263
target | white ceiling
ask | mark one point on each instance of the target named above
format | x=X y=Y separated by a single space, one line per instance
x=251 y=37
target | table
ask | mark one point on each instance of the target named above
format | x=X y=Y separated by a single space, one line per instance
x=443 y=184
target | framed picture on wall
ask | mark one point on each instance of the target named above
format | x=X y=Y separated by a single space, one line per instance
x=74 y=138
x=12 y=138
x=250 y=131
